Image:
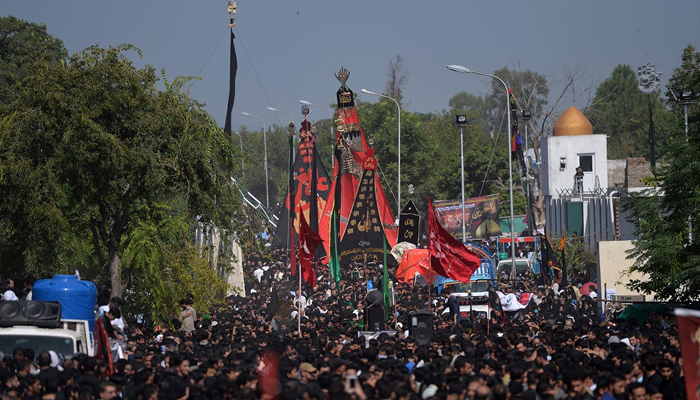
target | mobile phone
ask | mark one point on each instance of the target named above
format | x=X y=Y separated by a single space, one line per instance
x=352 y=381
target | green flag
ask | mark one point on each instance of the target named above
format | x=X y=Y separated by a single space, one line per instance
x=334 y=261
x=385 y=283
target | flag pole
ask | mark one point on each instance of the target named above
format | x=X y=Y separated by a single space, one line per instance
x=299 y=301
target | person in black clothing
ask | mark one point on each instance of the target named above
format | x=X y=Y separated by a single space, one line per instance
x=46 y=370
x=452 y=303
x=89 y=380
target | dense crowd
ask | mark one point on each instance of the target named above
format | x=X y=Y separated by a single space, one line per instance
x=561 y=347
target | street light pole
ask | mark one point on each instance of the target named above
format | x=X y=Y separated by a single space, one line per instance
x=464 y=70
x=461 y=156
x=267 y=189
x=330 y=114
x=399 y=107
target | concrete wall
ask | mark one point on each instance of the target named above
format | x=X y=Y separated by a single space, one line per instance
x=598 y=219
x=616 y=173
x=554 y=148
x=613 y=265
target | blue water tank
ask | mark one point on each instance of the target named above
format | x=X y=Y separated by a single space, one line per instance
x=77 y=298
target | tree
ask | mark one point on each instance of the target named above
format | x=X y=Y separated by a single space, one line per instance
x=23 y=45
x=666 y=216
x=93 y=150
x=396 y=78
x=621 y=112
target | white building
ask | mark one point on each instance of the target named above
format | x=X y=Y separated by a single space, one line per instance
x=573 y=144
x=589 y=211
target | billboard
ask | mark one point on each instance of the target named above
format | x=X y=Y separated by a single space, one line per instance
x=480 y=213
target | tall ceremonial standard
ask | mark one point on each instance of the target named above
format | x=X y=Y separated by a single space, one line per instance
x=339 y=236
x=305 y=187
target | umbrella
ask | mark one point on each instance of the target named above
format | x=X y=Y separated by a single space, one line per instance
x=585 y=289
x=401 y=248
x=415 y=261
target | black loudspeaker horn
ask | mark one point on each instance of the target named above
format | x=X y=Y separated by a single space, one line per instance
x=375 y=319
x=422 y=326
x=44 y=314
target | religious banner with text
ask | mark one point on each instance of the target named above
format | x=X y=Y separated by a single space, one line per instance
x=480 y=213
x=364 y=234
x=409 y=220
x=303 y=167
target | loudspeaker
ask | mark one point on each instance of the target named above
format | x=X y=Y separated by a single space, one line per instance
x=375 y=319
x=422 y=326
x=44 y=314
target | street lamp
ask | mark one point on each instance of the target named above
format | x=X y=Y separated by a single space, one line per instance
x=461 y=121
x=267 y=189
x=464 y=70
x=684 y=98
x=526 y=115
x=330 y=113
x=399 y=107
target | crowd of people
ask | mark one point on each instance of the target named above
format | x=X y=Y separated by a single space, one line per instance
x=276 y=343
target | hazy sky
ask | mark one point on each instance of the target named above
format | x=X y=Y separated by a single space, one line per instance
x=296 y=46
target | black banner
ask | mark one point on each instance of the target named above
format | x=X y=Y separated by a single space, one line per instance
x=409 y=221
x=233 y=71
x=364 y=234
x=302 y=183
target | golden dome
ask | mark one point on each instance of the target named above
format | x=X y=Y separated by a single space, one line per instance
x=572 y=122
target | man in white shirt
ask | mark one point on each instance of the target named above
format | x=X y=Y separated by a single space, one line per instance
x=259 y=273
x=9 y=294
x=114 y=302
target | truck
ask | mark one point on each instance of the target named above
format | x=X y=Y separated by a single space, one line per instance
x=522 y=264
x=61 y=317
x=69 y=338
x=473 y=296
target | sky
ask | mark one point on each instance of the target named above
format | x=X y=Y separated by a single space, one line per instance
x=289 y=50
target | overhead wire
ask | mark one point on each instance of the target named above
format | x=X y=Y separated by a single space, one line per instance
x=257 y=76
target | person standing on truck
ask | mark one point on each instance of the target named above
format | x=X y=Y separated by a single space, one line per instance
x=9 y=291
x=452 y=303
x=187 y=315
x=114 y=302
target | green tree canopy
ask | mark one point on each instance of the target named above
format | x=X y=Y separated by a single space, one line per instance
x=621 y=112
x=23 y=45
x=667 y=217
x=94 y=152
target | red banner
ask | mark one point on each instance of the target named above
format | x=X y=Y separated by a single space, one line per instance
x=689 y=337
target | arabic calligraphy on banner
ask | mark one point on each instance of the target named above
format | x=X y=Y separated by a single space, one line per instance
x=363 y=233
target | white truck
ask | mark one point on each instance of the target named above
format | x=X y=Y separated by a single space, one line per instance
x=69 y=338
x=479 y=298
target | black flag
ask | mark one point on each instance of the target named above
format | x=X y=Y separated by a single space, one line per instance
x=495 y=303
x=232 y=85
x=409 y=221
x=564 y=275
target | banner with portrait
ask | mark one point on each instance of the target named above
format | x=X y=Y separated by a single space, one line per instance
x=480 y=213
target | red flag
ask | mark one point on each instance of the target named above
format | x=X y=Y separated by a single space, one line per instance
x=293 y=255
x=448 y=256
x=308 y=240
x=688 y=327
x=269 y=376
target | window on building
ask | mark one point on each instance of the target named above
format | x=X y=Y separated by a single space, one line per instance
x=586 y=163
